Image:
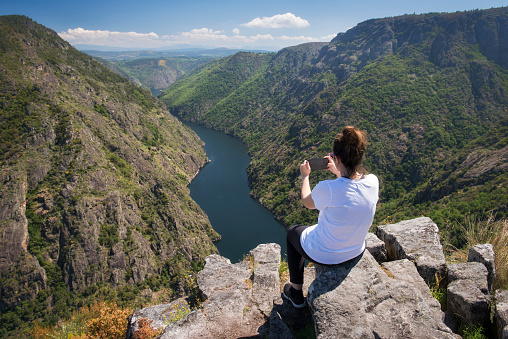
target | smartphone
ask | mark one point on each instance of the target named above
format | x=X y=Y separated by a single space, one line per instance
x=318 y=164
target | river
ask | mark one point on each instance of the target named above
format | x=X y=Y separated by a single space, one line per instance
x=222 y=190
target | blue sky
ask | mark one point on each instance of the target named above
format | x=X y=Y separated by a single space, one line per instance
x=258 y=24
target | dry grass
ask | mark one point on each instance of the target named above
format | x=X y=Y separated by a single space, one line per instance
x=489 y=231
x=283 y=273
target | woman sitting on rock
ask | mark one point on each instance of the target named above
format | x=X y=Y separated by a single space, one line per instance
x=346 y=209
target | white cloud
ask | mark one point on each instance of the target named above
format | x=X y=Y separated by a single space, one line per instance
x=98 y=37
x=297 y=38
x=199 y=36
x=262 y=37
x=328 y=37
x=288 y=20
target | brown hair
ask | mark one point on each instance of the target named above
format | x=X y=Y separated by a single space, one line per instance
x=349 y=146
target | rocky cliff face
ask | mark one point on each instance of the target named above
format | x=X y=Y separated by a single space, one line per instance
x=380 y=294
x=93 y=175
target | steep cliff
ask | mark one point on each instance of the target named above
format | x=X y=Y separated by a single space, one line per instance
x=431 y=91
x=93 y=175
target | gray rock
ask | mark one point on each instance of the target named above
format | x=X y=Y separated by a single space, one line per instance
x=357 y=299
x=278 y=328
x=238 y=297
x=468 y=293
x=501 y=314
x=219 y=274
x=376 y=247
x=484 y=253
x=158 y=316
x=265 y=287
x=265 y=281
x=227 y=311
x=418 y=241
x=28 y=276
x=266 y=253
x=309 y=274
x=471 y=271
x=405 y=270
x=298 y=320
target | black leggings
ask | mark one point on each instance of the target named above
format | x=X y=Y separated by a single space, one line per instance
x=296 y=254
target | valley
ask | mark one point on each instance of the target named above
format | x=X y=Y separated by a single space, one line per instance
x=94 y=170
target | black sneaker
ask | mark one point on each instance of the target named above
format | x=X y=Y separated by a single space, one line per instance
x=295 y=296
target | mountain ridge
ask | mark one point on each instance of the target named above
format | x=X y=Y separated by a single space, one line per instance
x=93 y=176
x=423 y=86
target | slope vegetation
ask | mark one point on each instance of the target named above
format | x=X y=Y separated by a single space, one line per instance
x=156 y=74
x=431 y=90
x=93 y=175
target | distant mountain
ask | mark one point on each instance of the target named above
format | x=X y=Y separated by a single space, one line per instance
x=156 y=74
x=431 y=90
x=122 y=55
x=93 y=176
x=157 y=70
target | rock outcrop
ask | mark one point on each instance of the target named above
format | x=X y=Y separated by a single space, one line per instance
x=484 y=253
x=237 y=299
x=376 y=247
x=416 y=240
x=358 y=299
x=362 y=298
x=468 y=293
x=501 y=314
x=93 y=176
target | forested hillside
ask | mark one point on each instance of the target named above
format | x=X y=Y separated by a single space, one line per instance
x=93 y=176
x=156 y=74
x=431 y=91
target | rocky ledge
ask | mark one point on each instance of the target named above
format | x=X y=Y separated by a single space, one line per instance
x=381 y=294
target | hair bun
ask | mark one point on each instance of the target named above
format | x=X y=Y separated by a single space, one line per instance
x=349 y=146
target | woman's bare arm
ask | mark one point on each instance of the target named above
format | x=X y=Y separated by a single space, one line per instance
x=306 y=191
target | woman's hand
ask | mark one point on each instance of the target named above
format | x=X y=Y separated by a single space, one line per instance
x=306 y=191
x=332 y=166
x=305 y=169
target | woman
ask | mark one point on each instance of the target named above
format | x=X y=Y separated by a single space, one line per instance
x=346 y=209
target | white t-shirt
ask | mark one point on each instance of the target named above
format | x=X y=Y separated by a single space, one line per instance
x=346 y=210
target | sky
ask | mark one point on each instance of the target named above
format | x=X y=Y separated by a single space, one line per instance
x=253 y=24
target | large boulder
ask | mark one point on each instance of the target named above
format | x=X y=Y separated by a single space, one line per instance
x=484 y=253
x=227 y=310
x=237 y=299
x=265 y=278
x=266 y=254
x=418 y=241
x=158 y=316
x=501 y=315
x=405 y=270
x=468 y=293
x=358 y=299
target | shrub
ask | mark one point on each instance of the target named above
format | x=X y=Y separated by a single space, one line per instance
x=283 y=272
x=178 y=311
x=99 y=320
x=106 y=320
x=468 y=331
x=439 y=292
x=145 y=330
